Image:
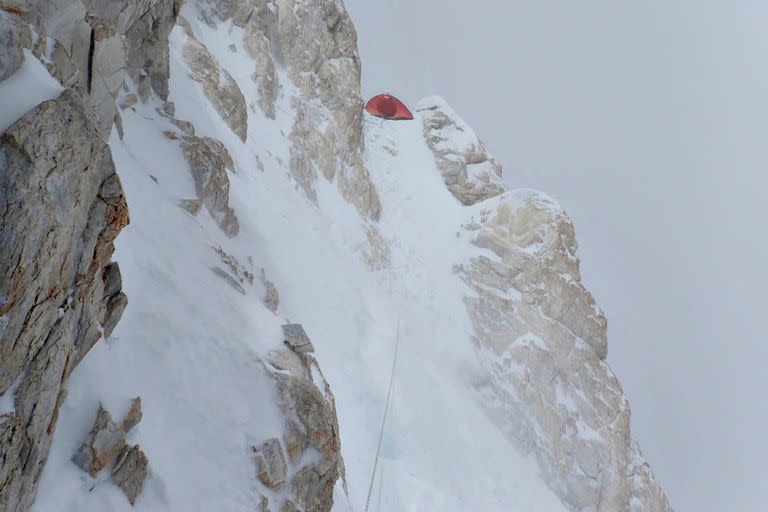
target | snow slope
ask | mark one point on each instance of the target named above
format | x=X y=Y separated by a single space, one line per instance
x=190 y=344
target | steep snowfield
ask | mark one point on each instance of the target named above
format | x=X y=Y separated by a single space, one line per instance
x=190 y=344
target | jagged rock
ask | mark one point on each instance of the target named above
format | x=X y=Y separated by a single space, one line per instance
x=134 y=415
x=297 y=339
x=129 y=100
x=271 y=296
x=317 y=43
x=271 y=468
x=186 y=127
x=130 y=471
x=469 y=172
x=115 y=308
x=116 y=301
x=193 y=206
x=542 y=340
x=101 y=447
x=309 y=412
x=257 y=19
x=147 y=39
x=93 y=45
x=61 y=207
x=11 y=45
x=209 y=162
x=106 y=443
x=218 y=85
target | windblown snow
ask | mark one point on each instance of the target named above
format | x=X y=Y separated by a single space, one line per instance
x=191 y=343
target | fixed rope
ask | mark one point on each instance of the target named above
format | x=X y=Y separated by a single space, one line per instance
x=384 y=419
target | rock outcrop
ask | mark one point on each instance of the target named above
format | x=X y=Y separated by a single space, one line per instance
x=93 y=47
x=542 y=340
x=218 y=85
x=316 y=43
x=13 y=35
x=307 y=461
x=130 y=471
x=209 y=162
x=469 y=172
x=106 y=445
x=61 y=207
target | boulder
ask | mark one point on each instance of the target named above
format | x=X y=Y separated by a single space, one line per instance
x=469 y=172
x=317 y=44
x=271 y=296
x=297 y=339
x=130 y=471
x=101 y=447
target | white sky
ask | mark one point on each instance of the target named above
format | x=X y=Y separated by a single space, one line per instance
x=648 y=121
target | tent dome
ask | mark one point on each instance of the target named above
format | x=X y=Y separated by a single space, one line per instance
x=388 y=107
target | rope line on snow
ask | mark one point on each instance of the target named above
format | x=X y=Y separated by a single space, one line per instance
x=384 y=419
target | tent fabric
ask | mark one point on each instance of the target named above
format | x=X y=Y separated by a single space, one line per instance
x=388 y=107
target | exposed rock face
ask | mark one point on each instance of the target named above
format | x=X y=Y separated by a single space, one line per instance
x=90 y=46
x=61 y=207
x=311 y=436
x=209 y=162
x=543 y=342
x=218 y=85
x=130 y=471
x=317 y=44
x=469 y=172
x=11 y=45
x=297 y=339
x=271 y=468
x=103 y=444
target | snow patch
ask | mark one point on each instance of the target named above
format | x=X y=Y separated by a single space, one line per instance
x=29 y=86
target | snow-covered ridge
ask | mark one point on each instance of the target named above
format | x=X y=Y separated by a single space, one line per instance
x=261 y=195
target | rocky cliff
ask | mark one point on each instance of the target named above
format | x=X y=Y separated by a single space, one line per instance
x=261 y=194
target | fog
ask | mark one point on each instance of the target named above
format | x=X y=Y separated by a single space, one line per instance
x=648 y=121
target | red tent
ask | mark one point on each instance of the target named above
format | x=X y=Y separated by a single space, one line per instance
x=388 y=107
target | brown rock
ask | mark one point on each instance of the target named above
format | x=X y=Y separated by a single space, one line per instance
x=209 y=162
x=130 y=471
x=134 y=415
x=193 y=206
x=297 y=339
x=271 y=468
x=101 y=447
